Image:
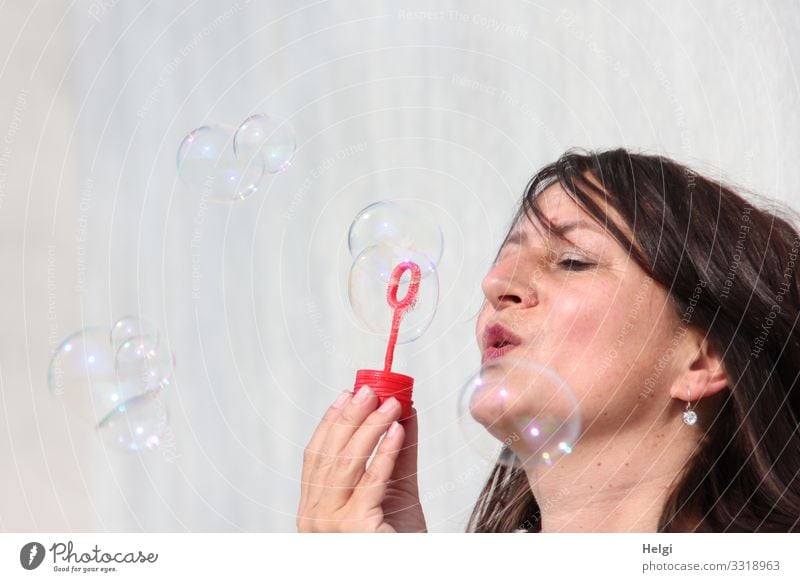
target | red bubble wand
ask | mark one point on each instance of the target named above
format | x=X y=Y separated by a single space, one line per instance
x=385 y=383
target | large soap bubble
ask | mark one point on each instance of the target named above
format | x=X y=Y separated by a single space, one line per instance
x=399 y=224
x=114 y=380
x=518 y=413
x=369 y=281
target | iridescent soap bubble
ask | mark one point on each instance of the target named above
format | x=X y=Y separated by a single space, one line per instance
x=265 y=140
x=518 y=413
x=141 y=360
x=208 y=166
x=82 y=375
x=401 y=224
x=118 y=391
x=368 y=291
x=138 y=424
x=130 y=327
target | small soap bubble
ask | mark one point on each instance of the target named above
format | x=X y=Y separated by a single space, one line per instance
x=368 y=291
x=130 y=327
x=401 y=224
x=149 y=364
x=518 y=413
x=208 y=166
x=136 y=425
x=266 y=141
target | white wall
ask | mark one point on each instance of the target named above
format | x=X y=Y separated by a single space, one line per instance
x=457 y=108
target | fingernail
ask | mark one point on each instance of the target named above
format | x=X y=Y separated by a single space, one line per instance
x=362 y=395
x=393 y=428
x=341 y=399
x=388 y=405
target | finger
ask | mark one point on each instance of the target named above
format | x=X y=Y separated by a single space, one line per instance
x=342 y=429
x=313 y=450
x=352 y=460
x=371 y=488
x=405 y=469
x=331 y=461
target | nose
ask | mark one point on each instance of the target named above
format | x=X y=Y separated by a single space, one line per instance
x=506 y=285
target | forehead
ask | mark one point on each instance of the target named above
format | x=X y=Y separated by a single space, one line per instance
x=563 y=214
x=555 y=202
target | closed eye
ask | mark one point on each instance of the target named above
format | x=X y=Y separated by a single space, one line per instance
x=573 y=265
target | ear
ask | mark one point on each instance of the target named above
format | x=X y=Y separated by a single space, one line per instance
x=704 y=375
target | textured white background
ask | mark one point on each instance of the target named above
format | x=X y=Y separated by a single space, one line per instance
x=456 y=107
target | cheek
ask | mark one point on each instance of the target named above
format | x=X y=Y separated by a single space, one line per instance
x=583 y=318
x=584 y=327
x=615 y=344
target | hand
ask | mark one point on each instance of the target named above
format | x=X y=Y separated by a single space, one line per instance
x=340 y=492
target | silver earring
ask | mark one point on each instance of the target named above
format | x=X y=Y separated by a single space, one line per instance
x=689 y=415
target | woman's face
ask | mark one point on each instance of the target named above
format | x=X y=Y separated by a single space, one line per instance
x=584 y=308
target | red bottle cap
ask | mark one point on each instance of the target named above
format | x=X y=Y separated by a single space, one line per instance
x=388 y=384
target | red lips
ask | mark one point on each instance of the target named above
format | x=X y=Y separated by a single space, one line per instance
x=498 y=341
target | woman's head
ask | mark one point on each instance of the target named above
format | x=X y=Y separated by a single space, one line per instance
x=645 y=286
x=564 y=292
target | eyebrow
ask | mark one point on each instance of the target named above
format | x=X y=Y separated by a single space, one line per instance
x=520 y=237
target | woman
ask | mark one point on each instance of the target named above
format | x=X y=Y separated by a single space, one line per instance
x=651 y=290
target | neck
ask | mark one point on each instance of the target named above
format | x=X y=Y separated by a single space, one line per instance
x=617 y=484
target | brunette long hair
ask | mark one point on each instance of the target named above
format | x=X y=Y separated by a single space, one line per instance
x=745 y=473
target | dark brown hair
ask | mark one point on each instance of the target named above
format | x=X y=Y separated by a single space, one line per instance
x=745 y=474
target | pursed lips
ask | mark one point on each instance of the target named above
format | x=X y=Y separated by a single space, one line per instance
x=497 y=342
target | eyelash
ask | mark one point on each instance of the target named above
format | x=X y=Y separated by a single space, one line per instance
x=575 y=265
x=569 y=264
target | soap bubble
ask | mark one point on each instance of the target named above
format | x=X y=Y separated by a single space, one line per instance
x=130 y=327
x=518 y=413
x=368 y=288
x=117 y=391
x=265 y=141
x=399 y=224
x=207 y=165
x=137 y=424
x=149 y=364
x=83 y=376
